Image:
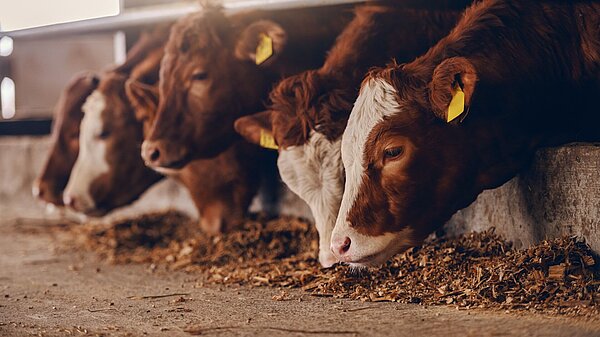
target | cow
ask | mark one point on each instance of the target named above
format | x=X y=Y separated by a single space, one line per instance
x=95 y=187
x=110 y=173
x=221 y=188
x=55 y=173
x=426 y=137
x=218 y=68
x=50 y=184
x=308 y=111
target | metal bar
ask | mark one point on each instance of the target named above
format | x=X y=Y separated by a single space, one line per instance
x=157 y=14
x=128 y=19
x=37 y=127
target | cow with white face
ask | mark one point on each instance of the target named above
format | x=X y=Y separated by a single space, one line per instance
x=311 y=168
x=426 y=137
x=108 y=122
x=53 y=179
x=309 y=111
x=369 y=246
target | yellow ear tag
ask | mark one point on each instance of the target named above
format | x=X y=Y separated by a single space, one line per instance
x=264 y=50
x=267 y=141
x=457 y=104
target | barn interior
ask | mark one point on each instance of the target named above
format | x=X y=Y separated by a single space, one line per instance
x=520 y=260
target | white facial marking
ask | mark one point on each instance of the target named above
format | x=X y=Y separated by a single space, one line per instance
x=376 y=101
x=314 y=172
x=91 y=162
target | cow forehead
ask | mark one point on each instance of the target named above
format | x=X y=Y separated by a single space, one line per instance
x=91 y=161
x=92 y=109
x=377 y=100
x=197 y=32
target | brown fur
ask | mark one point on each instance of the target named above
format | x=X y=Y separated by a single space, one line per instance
x=128 y=177
x=321 y=99
x=221 y=188
x=531 y=74
x=195 y=117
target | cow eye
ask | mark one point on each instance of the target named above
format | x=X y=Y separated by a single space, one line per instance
x=393 y=152
x=200 y=76
x=103 y=135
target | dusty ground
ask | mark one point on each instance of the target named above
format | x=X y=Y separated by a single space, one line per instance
x=47 y=291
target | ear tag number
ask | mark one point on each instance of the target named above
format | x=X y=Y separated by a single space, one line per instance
x=267 y=141
x=457 y=104
x=264 y=50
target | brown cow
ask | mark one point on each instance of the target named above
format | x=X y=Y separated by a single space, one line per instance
x=212 y=74
x=52 y=180
x=222 y=187
x=425 y=138
x=309 y=110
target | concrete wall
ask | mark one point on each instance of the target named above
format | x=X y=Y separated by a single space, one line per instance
x=42 y=68
x=558 y=195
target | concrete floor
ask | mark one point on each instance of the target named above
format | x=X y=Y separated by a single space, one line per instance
x=49 y=291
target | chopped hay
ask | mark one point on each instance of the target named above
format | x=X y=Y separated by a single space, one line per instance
x=477 y=270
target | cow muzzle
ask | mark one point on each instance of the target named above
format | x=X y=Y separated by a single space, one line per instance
x=163 y=154
x=46 y=191
x=79 y=203
x=361 y=250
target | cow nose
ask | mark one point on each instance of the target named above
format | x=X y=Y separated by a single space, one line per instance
x=155 y=155
x=164 y=153
x=341 y=247
x=44 y=191
x=150 y=152
x=70 y=201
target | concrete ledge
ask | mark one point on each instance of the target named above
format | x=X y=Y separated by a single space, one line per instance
x=558 y=195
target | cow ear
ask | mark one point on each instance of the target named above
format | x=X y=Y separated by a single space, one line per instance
x=257 y=129
x=451 y=88
x=261 y=42
x=143 y=97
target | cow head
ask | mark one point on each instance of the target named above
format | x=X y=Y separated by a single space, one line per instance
x=108 y=172
x=143 y=98
x=407 y=168
x=306 y=119
x=221 y=187
x=209 y=77
x=52 y=180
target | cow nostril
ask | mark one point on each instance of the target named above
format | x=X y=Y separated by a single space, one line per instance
x=346 y=245
x=155 y=155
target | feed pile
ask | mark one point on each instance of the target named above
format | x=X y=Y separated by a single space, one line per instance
x=477 y=270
